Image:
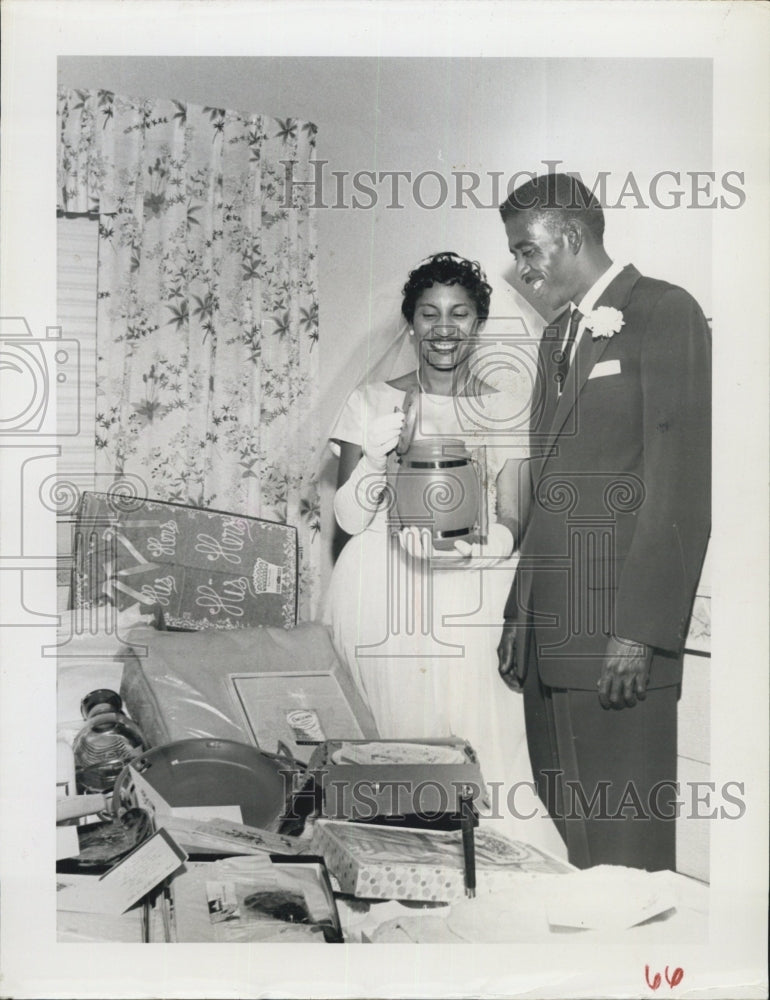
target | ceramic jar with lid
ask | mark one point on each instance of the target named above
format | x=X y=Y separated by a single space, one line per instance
x=437 y=486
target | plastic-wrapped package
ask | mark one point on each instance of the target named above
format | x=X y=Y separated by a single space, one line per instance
x=254 y=899
x=179 y=685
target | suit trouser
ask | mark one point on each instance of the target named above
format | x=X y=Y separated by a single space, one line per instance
x=606 y=776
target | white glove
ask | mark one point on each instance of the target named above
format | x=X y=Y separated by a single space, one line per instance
x=418 y=543
x=498 y=546
x=380 y=438
x=357 y=500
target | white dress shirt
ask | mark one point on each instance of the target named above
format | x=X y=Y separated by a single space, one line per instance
x=589 y=300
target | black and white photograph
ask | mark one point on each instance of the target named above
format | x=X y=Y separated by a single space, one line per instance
x=383 y=435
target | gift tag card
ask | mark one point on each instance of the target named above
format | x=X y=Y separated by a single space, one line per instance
x=124 y=884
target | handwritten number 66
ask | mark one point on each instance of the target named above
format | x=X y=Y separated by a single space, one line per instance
x=673 y=980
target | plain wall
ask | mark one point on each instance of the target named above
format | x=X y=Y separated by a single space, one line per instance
x=447 y=115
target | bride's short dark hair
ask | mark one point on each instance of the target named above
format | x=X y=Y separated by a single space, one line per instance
x=447 y=269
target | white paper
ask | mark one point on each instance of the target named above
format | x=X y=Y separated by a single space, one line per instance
x=609 y=898
x=67 y=845
x=232 y=813
x=127 y=882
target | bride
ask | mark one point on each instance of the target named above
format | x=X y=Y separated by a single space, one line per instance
x=419 y=628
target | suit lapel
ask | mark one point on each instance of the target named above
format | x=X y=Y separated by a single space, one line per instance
x=589 y=351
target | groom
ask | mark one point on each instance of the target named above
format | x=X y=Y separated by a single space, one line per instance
x=619 y=514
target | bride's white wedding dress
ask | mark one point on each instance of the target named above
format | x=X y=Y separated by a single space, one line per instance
x=420 y=637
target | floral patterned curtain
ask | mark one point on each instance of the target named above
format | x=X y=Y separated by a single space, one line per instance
x=207 y=313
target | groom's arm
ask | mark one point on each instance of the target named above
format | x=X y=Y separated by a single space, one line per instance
x=661 y=570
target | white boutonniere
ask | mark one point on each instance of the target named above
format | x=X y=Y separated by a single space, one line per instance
x=604 y=322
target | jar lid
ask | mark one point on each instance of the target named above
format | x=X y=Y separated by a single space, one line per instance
x=437 y=449
x=103 y=699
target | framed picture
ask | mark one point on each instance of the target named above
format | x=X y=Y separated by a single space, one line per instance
x=294 y=710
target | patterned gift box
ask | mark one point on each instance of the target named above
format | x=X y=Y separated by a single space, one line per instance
x=384 y=862
x=201 y=568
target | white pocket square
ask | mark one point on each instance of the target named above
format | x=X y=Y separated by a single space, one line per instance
x=602 y=368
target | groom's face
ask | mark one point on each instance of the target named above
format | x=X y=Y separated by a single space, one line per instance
x=544 y=259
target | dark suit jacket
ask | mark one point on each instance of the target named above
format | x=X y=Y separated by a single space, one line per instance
x=620 y=487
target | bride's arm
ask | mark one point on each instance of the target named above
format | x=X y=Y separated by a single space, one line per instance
x=350 y=456
x=514 y=497
x=354 y=508
x=361 y=476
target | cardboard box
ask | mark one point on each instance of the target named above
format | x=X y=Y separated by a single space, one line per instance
x=359 y=785
x=201 y=568
x=385 y=862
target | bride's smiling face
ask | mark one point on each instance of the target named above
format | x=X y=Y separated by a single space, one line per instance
x=446 y=325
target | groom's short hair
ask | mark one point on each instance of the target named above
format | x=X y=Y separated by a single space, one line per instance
x=557 y=198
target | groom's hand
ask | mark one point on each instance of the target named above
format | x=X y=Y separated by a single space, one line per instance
x=625 y=673
x=512 y=673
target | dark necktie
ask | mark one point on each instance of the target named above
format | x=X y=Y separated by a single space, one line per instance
x=563 y=365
